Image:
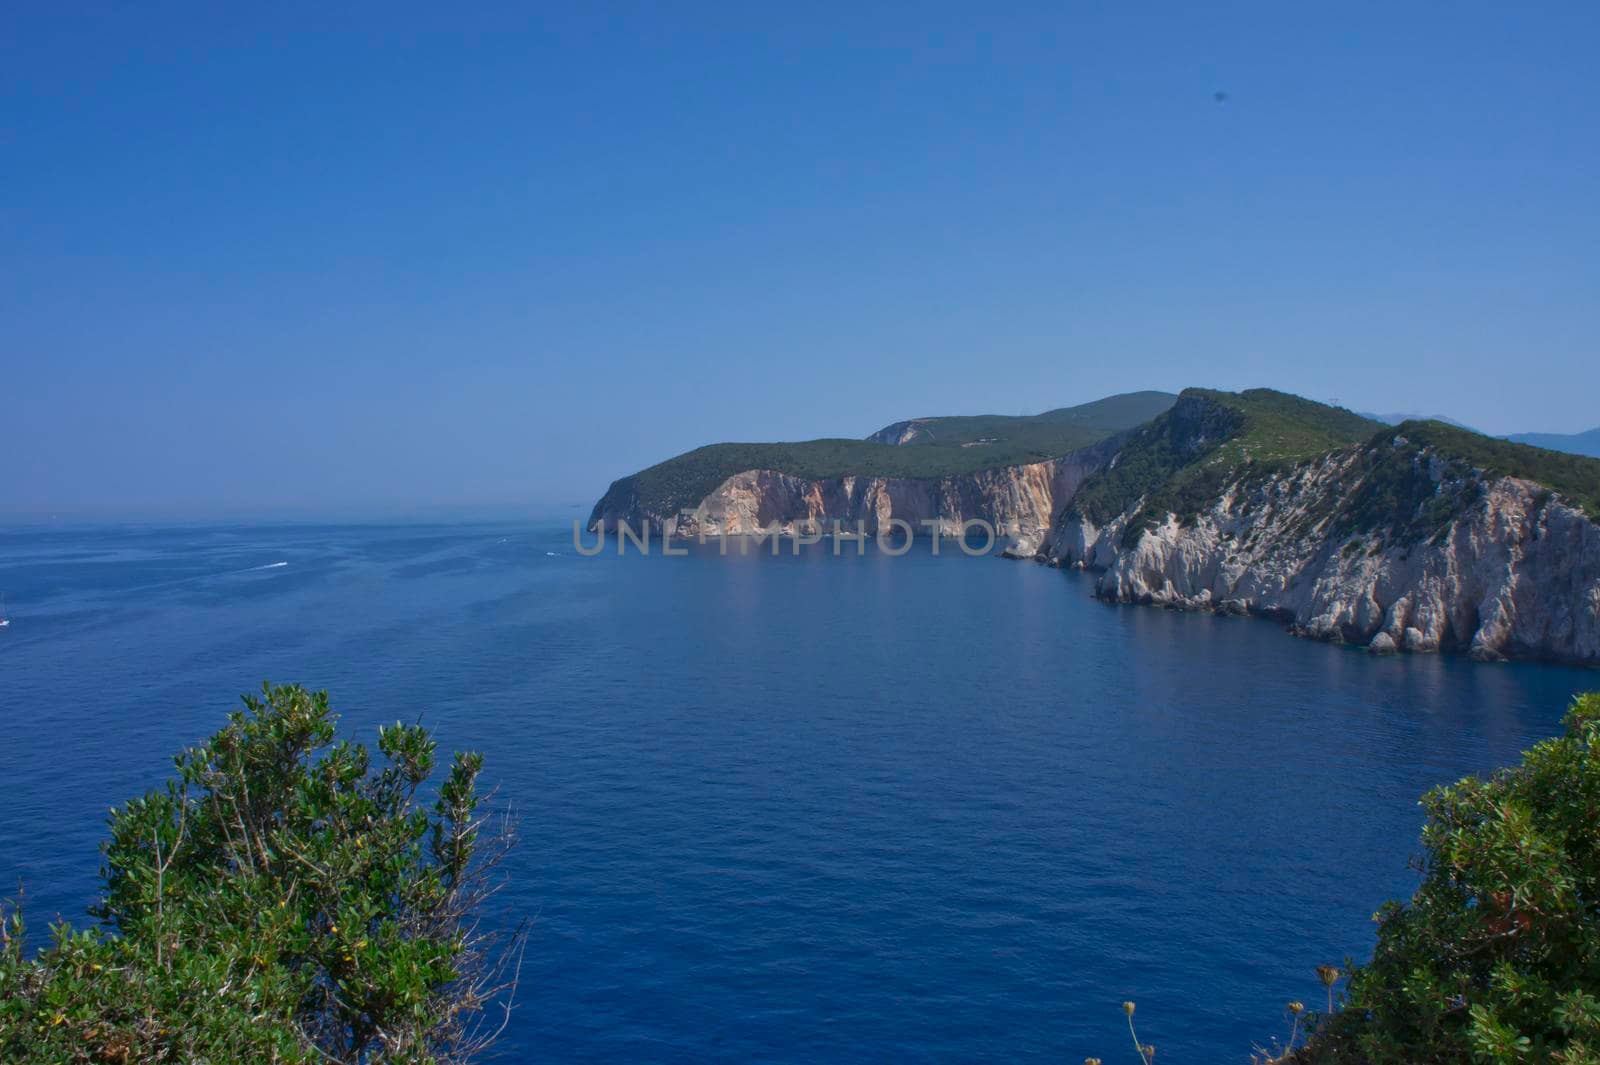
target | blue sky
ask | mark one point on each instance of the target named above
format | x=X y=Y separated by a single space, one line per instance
x=269 y=254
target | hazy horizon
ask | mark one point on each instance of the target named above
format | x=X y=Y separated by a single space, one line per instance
x=396 y=507
x=402 y=256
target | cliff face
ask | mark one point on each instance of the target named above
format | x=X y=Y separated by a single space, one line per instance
x=1020 y=502
x=1514 y=574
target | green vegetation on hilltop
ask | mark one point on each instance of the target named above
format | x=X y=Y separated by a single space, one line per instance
x=1109 y=415
x=687 y=479
x=283 y=900
x=1281 y=429
x=963 y=445
x=1153 y=457
x=1575 y=477
x=1179 y=463
x=1410 y=481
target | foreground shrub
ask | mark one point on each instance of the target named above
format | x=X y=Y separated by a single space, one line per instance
x=1496 y=958
x=281 y=900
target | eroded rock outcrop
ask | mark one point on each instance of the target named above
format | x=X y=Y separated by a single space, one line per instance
x=901 y=433
x=1515 y=574
x=1021 y=503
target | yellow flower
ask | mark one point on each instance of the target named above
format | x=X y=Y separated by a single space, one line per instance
x=1127 y=1007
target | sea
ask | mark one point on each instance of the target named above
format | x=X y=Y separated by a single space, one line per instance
x=810 y=807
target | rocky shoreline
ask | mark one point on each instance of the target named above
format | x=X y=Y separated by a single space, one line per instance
x=1515 y=577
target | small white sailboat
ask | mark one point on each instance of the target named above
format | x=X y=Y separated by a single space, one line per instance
x=4 y=621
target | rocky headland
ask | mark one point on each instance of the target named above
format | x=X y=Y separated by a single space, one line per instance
x=1419 y=537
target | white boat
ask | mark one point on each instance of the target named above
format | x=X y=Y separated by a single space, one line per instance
x=4 y=621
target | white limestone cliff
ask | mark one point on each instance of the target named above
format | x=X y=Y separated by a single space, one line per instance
x=1021 y=503
x=1514 y=575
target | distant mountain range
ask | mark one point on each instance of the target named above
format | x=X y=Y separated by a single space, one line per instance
x=1572 y=443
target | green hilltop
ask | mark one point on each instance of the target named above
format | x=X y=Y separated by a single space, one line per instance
x=947 y=446
x=1397 y=492
x=1181 y=462
x=1182 y=459
x=1044 y=431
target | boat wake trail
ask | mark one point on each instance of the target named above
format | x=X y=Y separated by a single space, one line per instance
x=269 y=565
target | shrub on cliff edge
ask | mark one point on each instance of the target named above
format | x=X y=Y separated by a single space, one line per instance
x=1496 y=958
x=281 y=900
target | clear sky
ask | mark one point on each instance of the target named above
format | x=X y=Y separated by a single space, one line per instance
x=268 y=253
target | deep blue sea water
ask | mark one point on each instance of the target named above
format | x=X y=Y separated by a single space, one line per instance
x=802 y=809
